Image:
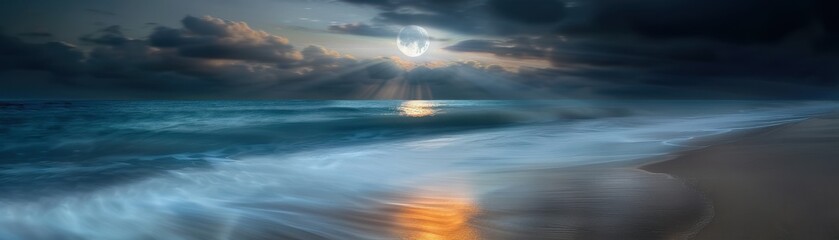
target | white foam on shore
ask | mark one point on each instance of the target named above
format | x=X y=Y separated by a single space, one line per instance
x=324 y=193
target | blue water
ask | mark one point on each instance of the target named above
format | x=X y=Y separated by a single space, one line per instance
x=312 y=169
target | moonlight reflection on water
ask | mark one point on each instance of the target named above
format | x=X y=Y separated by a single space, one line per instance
x=417 y=108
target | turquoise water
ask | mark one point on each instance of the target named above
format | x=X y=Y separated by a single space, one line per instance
x=314 y=169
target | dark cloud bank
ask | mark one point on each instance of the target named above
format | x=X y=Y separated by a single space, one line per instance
x=597 y=49
x=209 y=57
x=650 y=48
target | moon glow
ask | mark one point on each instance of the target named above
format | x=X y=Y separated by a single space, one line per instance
x=413 y=41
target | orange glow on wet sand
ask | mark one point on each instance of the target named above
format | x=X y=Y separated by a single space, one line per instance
x=437 y=218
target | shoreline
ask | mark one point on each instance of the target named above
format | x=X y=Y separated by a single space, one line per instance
x=767 y=183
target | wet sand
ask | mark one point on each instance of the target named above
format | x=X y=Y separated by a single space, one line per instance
x=597 y=202
x=777 y=184
x=591 y=202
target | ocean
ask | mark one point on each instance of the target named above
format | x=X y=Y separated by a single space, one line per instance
x=442 y=169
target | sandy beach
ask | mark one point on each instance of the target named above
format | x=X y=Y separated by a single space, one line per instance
x=777 y=184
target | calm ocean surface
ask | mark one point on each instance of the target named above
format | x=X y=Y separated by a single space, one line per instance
x=344 y=169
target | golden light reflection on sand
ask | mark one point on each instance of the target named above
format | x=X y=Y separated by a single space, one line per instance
x=417 y=108
x=436 y=218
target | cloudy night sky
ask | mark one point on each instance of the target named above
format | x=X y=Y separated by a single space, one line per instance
x=480 y=49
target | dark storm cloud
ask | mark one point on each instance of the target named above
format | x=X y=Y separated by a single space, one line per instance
x=652 y=48
x=362 y=29
x=441 y=21
x=216 y=38
x=383 y=70
x=742 y=21
x=120 y=67
x=449 y=15
x=593 y=48
x=532 y=12
x=519 y=47
x=56 y=57
x=36 y=34
x=111 y=35
x=161 y=67
x=429 y=5
x=711 y=68
x=100 y=12
x=738 y=21
x=470 y=16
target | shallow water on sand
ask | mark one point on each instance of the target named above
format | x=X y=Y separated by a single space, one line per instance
x=356 y=169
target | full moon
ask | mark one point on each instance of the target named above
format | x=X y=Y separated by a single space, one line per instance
x=413 y=41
